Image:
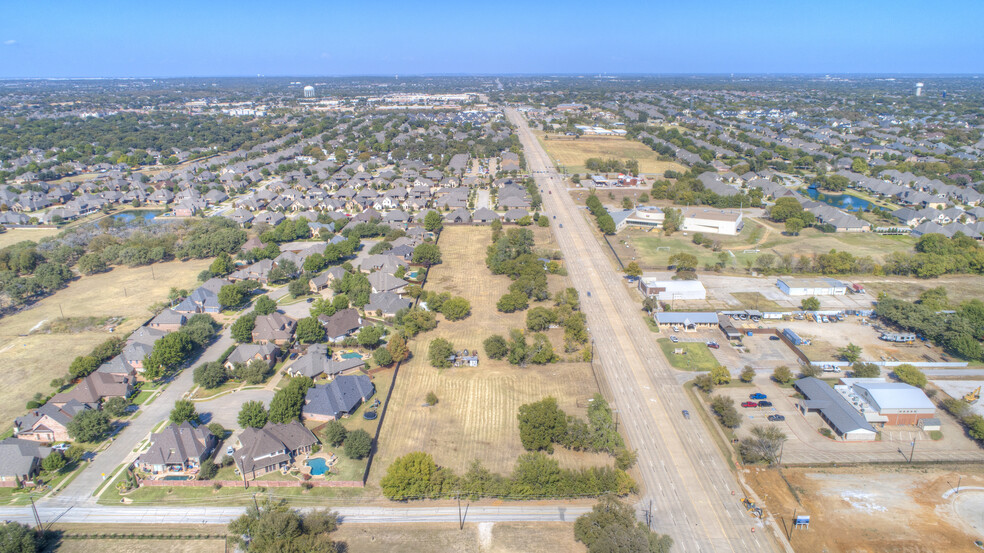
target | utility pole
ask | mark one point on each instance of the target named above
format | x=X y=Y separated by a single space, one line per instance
x=254 y=503
x=61 y=310
x=792 y=527
x=649 y=515
x=37 y=519
x=912 y=451
x=461 y=521
x=782 y=445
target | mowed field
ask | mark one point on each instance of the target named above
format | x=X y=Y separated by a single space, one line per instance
x=29 y=361
x=572 y=154
x=475 y=417
x=15 y=235
x=142 y=546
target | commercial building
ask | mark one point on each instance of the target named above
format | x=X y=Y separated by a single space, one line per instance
x=689 y=322
x=712 y=221
x=893 y=403
x=835 y=409
x=811 y=286
x=668 y=290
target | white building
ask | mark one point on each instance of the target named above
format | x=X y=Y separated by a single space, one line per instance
x=712 y=221
x=811 y=286
x=309 y=91
x=669 y=290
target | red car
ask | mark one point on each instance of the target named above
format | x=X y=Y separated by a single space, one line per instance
x=749 y=404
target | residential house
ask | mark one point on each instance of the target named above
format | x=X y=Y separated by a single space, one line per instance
x=272 y=447
x=386 y=304
x=338 y=398
x=324 y=280
x=385 y=282
x=48 y=423
x=20 y=461
x=316 y=362
x=178 y=448
x=342 y=324
x=245 y=353
x=168 y=321
x=94 y=388
x=275 y=327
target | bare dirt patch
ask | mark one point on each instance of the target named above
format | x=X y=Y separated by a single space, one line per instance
x=859 y=510
x=475 y=417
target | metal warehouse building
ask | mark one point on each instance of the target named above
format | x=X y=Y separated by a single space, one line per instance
x=811 y=286
x=669 y=290
x=847 y=422
x=895 y=402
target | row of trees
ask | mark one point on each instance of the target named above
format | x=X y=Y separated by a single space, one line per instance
x=417 y=476
x=612 y=165
x=959 y=332
x=518 y=350
x=605 y=222
x=173 y=349
x=285 y=406
x=544 y=423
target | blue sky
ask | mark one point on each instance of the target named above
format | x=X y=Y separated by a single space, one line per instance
x=94 y=38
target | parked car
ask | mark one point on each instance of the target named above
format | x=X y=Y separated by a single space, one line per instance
x=749 y=404
x=776 y=418
x=758 y=395
x=774 y=338
x=713 y=345
x=765 y=404
x=230 y=450
x=686 y=414
x=61 y=447
x=674 y=339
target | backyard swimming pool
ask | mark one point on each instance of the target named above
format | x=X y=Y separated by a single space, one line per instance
x=177 y=477
x=352 y=355
x=318 y=465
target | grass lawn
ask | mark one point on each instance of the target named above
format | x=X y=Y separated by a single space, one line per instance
x=143 y=545
x=475 y=417
x=142 y=397
x=573 y=154
x=39 y=357
x=696 y=357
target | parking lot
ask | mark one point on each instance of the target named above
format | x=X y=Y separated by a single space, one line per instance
x=805 y=444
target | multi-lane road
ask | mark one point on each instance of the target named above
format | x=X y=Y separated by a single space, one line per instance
x=695 y=497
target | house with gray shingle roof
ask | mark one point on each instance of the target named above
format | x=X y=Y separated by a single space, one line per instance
x=178 y=448
x=338 y=398
x=272 y=447
x=20 y=461
x=48 y=423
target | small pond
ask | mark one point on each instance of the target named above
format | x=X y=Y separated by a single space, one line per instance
x=847 y=202
x=132 y=215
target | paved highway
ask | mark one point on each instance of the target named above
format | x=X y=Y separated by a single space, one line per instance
x=695 y=497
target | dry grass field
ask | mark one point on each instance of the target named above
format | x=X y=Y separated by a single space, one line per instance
x=142 y=546
x=15 y=235
x=30 y=361
x=486 y=537
x=572 y=154
x=476 y=414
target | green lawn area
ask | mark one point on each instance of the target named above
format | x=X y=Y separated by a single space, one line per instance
x=142 y=397
x=653 y=249
x=697 y=356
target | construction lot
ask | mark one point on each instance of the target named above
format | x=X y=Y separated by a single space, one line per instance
x=875 y=509
x=475 y=417
x=806 y=445
x=33 y=357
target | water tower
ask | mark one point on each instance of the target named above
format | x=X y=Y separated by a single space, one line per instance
x=309 y=91
x=919 y=87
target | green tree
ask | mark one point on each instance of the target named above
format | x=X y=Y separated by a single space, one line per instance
x=208 y=469
x=427 y=254
x=683 y=261
x=810 y=304
x=264 y=305
x=439 y=352
x=358 y=444
x=299 y=287
x=89 y=426
x=54 y=462
x=169 y=352
x=242 y=329
x=724 y=408
x=369 y=336
x=274 y=527
x=612 y=527
x=309 y=330
x=764 y=443
x=252 y=415
x=287 y=403
x=21 y=538
x=541 y=424
x=183 y=410
x=851 y=353
x=794 y=226
x=91 y=263
x=540 y=318
x=541 y=350
x=704 y=383
x=650 y=304
x=82 y=366
x=409 y=477
x=222 y=265
x=865 y=370
x=859 y=166
x=496 y=347
x=782 y=375
x=672 y=220
x=633 y=270
x=231 y=295
x=335 y=433
x=512 y=301
x=456 y=308
x=431 y=398
x=210 y=375
x=433 y=222
x=116 y=406
x=720 y=375
x=382 y=357
x=910 y=375
x=748 y=375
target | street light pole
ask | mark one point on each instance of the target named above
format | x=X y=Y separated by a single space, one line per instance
x=912 y=451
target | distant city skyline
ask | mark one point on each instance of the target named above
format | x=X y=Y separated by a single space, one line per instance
x=62 y=39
